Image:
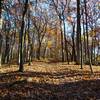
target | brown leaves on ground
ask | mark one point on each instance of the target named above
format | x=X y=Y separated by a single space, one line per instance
x=49 y=81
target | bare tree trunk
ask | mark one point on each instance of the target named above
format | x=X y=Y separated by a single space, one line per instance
x=0 y=35
x=84 y=35
x=0 y=49
x=78 y=32
x=90 y=63
x=66 y=44
x=29 y=42
x=88 y=50
x=38 y=51
x=86 y=28
x=73 y=47
x=62 y=48
x=21 y=36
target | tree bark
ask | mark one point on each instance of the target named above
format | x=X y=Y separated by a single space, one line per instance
x=66 y=44
x=62 y=45
x=73 y=47
x=21 y=37
x=78 y=32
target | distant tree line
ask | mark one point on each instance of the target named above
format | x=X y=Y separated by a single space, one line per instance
x=54 y=30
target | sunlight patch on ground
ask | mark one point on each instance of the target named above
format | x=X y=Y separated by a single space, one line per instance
x=54 y=73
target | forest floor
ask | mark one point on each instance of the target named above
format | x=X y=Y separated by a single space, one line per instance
x=49 y=81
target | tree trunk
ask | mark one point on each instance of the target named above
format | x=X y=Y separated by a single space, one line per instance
x=29 y=41
x=62 y=45
x=78 y=32
x=73 y=47
x=66 y=44
x=86 y=29
x=21 y=37
x=0 y=49
x=38 y=51
x=84 y=36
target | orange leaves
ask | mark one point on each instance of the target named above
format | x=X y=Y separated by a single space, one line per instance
x=51 y=31
x=69 y=18
x=92 y=33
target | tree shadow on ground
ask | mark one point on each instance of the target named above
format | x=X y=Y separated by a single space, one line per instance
x=13 y=88
x=61 y=74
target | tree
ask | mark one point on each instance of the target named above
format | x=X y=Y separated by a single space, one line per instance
x=78 y=32
x=60 y=8
x=21 y=36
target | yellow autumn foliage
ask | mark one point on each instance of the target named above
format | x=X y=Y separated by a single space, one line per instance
x=49 y=44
